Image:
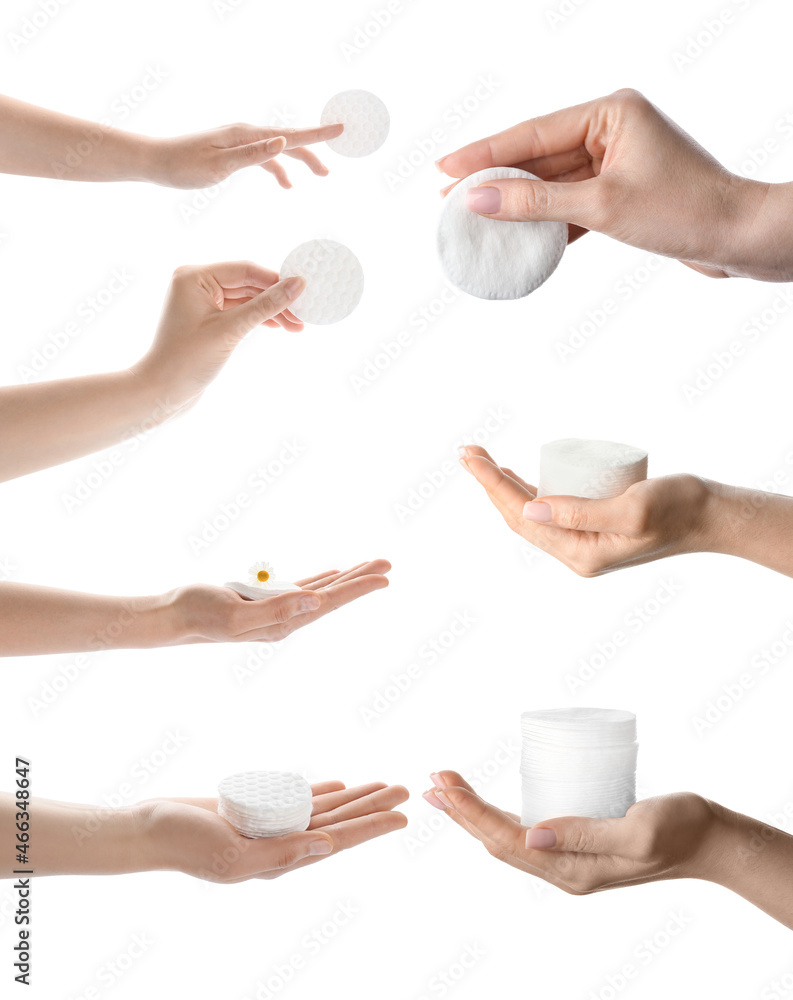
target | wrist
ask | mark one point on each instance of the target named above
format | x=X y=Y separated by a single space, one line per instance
x=708 y=860
x=153 y=852
x=756 y=238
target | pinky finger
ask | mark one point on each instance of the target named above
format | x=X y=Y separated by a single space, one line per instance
x=274 y=167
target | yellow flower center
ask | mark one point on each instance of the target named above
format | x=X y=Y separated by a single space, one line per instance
x=262 y=576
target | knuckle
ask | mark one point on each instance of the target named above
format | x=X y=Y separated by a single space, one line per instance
x=629 y=98
x=533 y=198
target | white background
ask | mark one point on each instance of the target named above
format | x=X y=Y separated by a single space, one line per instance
x=418 y=908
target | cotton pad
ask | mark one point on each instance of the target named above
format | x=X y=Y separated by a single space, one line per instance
x=577 y=762
x=334 y=281
x=265 y=803
x=593 y=469
x=261 y=583
x=492 y=259
x=365 y=118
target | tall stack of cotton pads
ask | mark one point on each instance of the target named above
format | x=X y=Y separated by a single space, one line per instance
x=577 y=762
x=265 y=803
x=490 y=258
x=334 y=281
x=593 y=469
x=365 y=118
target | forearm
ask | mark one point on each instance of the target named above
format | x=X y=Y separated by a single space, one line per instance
x=38 y=620
x=749 y=524
x=71 y=839
x=753 y=860
x=762 y=244
x=41 y=143
x=48 y=423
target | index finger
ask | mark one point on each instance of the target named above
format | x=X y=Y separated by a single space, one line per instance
x=559 y=132
x=306 y=136
x=241 y=274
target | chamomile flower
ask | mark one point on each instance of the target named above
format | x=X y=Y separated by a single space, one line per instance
x=261 y=573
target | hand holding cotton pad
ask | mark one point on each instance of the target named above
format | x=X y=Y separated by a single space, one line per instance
x=493 y=259
x=334 y=281
x=595 y=470
x=365 y=119
x=261 y=584
x=577 y=762
x=265 y=803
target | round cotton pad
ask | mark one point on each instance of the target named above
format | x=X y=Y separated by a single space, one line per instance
x=592 y=469
x=492 y=259
x=365 y=118
x=265 y=803
x=334 y=281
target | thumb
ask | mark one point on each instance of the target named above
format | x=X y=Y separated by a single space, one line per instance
x=580 y=514
x=578 y=835
x=546 y=201
x=252 y=153
x=266 y=305
x=282 y=853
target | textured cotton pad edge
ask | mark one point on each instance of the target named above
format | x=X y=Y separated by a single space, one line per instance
x=491 y=259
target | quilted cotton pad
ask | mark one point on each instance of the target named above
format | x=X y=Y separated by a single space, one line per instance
x=492 y=259
x=334 y=281
x=265 y=803
x=261 y=593
x=365 y=118
x=593 y=469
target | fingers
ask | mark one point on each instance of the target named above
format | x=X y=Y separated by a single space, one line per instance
x=269 y=303
x=255 y=616
x=252 y=153
x=560 y=132
x=326 y=803
x=239 y=274
x=274 y=167
x=518 y=200
x=374 y=566
x=311 y=160
x=270 y=856
x=296 y=137
x=323 y=787
x=370 y=799
x=622 y=515
x=484 y=821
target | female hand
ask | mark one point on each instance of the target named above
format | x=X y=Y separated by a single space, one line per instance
x=188 y=835
x=618 y=165
x=668 y=837
x=653 y=519
x=206 y=158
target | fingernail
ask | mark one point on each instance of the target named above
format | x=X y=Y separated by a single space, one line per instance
x=309 y=603
x=484 y=200
x=444 y=798
x=320 y=847
x=437 y=780
x=540 y=840
x=431 y=797
x=439 y=164
x=294 y=287
x=535 y=510
x=274 y=144
x=462 y=452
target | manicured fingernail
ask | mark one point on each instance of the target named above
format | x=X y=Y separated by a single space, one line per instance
x=535 y=510
x=462 y=452
x=437 y=780
x=273 y=145
x=320 y=847
x=484 y=200
x=540 y=840
x=309 y=603
x=431 y=797
x=444 y=798
x=439 y=164
x=294 y=287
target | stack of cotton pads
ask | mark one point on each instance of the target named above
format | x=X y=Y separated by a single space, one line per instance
x=493 y=259
x=334 y=281
x=365 y=119
x=265 y=803
x=577 y=762
x=593 y=469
